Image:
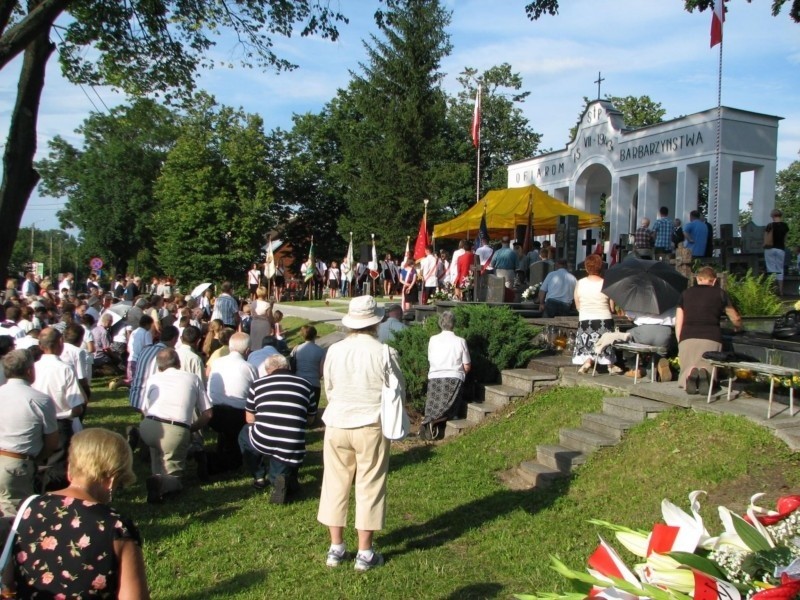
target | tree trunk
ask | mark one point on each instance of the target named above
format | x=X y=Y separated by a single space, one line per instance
x=19 y=176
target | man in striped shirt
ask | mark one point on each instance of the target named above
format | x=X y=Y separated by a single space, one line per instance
x=279 y=408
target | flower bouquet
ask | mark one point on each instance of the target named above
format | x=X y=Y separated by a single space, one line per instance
x=530 y=294
x=756 y=557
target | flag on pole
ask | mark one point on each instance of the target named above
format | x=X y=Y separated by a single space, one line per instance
x=476 y=119
x=311 y=266
x=408 y=249
x=422 y=240
x=348 y=270
x=717 y=19
x=483 y=232
x=269 y=262
x=373 y=264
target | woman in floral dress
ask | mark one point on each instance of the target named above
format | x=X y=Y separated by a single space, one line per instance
x=72 y=543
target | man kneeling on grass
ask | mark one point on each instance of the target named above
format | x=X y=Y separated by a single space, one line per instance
x=273 y=442
x=171 y=401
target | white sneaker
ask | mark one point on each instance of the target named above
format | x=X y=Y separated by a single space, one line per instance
x=335 y=557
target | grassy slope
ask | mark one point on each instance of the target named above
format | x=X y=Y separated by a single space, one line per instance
x=453 y=531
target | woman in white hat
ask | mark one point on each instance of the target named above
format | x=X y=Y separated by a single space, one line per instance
x=354 y=445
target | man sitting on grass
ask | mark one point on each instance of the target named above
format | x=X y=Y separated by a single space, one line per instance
x=279 y=408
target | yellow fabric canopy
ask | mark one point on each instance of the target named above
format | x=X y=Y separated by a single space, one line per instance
x=505 y=209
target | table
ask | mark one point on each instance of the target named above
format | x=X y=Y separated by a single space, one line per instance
x=759 y=369
x=638 y=350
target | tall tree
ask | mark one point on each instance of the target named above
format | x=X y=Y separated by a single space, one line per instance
x=214 y=195
x=308 y=198
x=541 y=7
x=109 y=182
x=787 y=199
x=140 y=46
x=506 y=136
x=395 y=110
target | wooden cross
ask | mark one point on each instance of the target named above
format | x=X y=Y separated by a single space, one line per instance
x=598 y=82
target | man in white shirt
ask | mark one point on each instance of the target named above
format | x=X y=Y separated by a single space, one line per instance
x=9 y=326
x=228 y=384
x=57 y=379
x=393 y=323
x=28 y=430
x=187 y=352
x=170 y=402
x=76 y=357
x=452 y=272
x=485 y=253
x=428 y=266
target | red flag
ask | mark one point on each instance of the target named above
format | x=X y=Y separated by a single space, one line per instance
x=717 y=19
x=476 y=120
x=422 y=240
x=707 y=587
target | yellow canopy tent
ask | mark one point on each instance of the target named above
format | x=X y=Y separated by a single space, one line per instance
x=505 y=209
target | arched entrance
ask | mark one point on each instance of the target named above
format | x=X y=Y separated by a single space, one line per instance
x=593 y=193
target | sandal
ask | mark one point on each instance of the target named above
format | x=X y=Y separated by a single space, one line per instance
x=586 y=367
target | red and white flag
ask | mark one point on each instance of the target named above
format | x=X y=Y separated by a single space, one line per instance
x=605 y=562
x=476 y=119
x=707 y=587
x=717 y=19
x=422 y=239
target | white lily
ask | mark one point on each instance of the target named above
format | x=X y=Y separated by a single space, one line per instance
x=665 y=572
x=729 y=537
x=693 y=532
x=635 y=543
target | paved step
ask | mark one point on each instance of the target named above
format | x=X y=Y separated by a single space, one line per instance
x=478 y=411
x=667 y=392
x=584 y=440
x=457 y=427
x=499 y=396
x=558 y=457
x=607 y=425
x=525 y=379
x=537 y=474
x=633 y=408
x=552 y=364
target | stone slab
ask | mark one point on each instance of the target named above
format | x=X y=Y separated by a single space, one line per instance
x=456 y=427
x=584 y=440
x=559 y=457
x=607 y=425
x=477 y=412
x=536 y=474
x=501 y=395
x=632 y=408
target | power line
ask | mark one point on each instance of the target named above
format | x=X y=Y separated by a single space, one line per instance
x=80 y=85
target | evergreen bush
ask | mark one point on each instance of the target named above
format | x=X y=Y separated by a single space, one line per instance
x=497 y=339
x=753 y=296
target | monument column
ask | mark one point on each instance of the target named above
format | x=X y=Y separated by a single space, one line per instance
x=728 y=203
x=647 y=206
x=763 y=187
x=687 y=184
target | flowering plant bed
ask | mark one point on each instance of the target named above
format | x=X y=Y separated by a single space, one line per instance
x=756 y=557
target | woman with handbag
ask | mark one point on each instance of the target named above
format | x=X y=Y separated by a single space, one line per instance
x=448 y=357
x=71 y=543
x=355 y=447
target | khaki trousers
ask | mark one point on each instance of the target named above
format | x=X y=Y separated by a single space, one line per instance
x=361 y=454
x=16 y=483
x=169 y=447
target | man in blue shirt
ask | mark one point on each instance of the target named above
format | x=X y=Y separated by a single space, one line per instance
x=696 y=234
x=504 y=261
x=663 y=232
x=558 y=291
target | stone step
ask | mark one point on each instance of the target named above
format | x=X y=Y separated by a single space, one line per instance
x=607 y=425
x=525 y=379
x=537 y=474
x=552 y=364
x=667 y=392
x=584 y=440
x=457 y=427
x=478 y=411
x=558 y=457
x=633 y=408
x=499 y=396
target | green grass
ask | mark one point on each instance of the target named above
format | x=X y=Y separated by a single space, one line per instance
x=291 y=329
x=453 y=530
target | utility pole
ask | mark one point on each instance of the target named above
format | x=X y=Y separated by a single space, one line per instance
x=51 y=256
x=33 y=228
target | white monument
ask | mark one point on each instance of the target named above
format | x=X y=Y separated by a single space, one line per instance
x=639 y=170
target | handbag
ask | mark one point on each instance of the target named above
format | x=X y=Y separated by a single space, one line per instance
x=394 y=418
x=13 y=533
x=768 y=237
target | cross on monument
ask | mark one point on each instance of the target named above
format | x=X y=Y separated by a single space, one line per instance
x=588 y=242
x=598 y=81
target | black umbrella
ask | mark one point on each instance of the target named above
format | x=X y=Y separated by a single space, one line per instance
x=644 y=286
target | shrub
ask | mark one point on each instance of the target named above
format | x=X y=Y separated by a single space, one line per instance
x=412 y=348
x=496 y=337
x=753 y=296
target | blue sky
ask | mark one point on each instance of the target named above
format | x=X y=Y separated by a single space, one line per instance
x=640 y=46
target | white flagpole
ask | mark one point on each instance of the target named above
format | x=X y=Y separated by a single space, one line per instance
x=718 y=148
x=477 y=118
